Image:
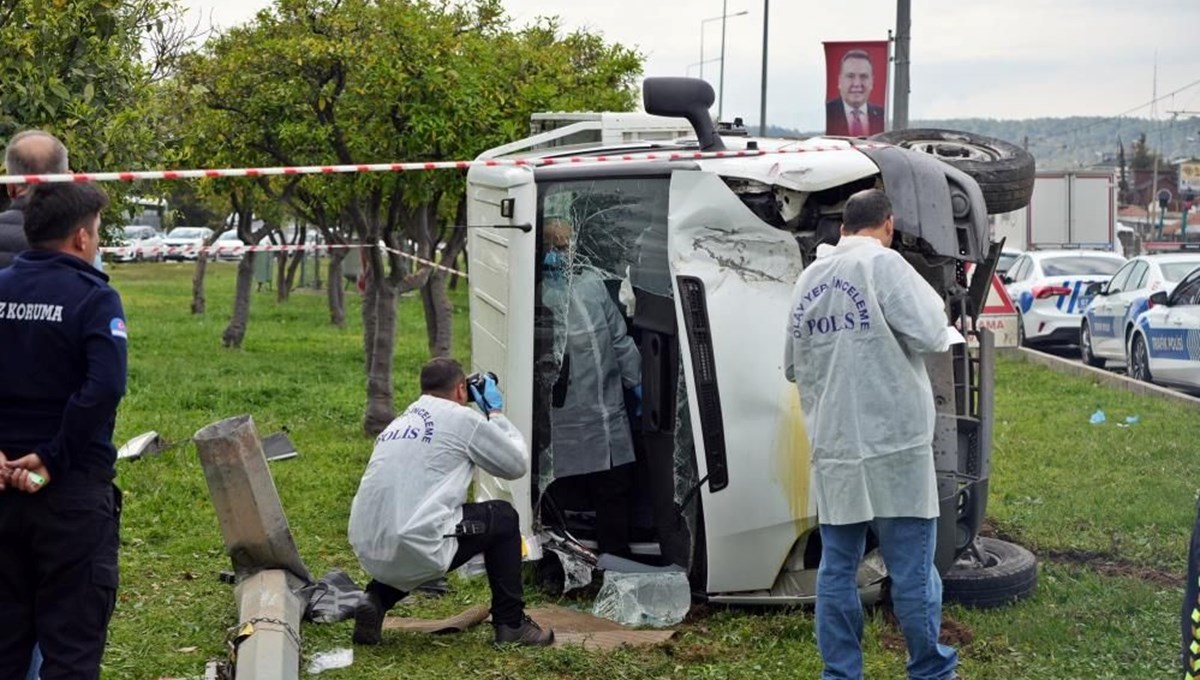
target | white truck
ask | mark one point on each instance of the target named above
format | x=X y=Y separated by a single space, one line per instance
x=1068 y=209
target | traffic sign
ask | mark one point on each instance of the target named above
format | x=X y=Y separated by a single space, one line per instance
x=998 y=300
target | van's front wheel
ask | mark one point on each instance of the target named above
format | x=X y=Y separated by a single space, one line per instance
x=1003 y=171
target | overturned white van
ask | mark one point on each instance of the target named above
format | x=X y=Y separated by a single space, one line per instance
x=701 y=255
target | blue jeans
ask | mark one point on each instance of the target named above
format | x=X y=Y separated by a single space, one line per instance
x=906 y=544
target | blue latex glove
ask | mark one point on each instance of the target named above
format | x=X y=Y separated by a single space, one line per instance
x=491 y=400
x=637 y=409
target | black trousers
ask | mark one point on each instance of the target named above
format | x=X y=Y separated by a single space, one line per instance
x=500 y=545
x=58 y=577
x=610 y=494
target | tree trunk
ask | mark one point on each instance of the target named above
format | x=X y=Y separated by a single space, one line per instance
x=379 y=341
x=439 y=315
x=198 y=301
x=290 y=282
x=281 y=287
x=336 y=292
x=235 y=332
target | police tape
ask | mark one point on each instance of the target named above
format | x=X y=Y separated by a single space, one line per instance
x=213 y=173
x=190 y=251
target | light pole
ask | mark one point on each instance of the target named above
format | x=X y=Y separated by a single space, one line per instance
x=722 y=19
x=762 y=107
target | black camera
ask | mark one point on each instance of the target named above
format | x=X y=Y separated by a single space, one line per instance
x=479 y=380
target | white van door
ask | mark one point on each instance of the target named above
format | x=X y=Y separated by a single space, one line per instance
x=501 y=212
x=733 y=277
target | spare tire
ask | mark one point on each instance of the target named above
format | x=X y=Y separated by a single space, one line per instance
x=1003 y=573
x=1003 y=171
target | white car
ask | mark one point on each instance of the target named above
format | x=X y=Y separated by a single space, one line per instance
x=722 y=478
x=1165 y=344
x=229 y=246
x=1050 y=288
x=184 y=243
x=1108 y=321
x=139 y=242
x=1006 y=261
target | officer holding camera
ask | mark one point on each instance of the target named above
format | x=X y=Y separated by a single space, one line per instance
x=410 y=522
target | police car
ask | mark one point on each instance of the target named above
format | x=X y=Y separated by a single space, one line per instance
x=1165 y=344
x=1050 y=290
x=1108 y=320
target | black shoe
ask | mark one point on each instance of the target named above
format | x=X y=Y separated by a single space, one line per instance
x=368 y=620
x=527 y=634
x=437 y=587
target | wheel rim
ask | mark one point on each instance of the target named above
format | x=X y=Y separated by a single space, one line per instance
x=1085 y=344
x=1141 y=363
x=1020 y=331
x=952 y=149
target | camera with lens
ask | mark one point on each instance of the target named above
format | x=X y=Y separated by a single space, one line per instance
x=479 y=380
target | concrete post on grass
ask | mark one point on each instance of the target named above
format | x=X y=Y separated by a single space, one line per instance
x=260 y=545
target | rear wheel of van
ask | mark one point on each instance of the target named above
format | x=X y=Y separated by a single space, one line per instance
x=1003 y=171
x=992 y=573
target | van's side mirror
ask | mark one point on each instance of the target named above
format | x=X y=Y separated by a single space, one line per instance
x=1158 y=299
x=1094 y=289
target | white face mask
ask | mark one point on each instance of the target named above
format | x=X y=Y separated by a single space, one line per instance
x=98 y=263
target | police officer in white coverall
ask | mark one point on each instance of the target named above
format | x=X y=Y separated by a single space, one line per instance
x=590 y=427
x=410 y=522
x=861 y=320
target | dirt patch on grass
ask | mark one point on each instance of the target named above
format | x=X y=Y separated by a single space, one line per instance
x=953 y=633
x=1111 y=565
x=1102 y=562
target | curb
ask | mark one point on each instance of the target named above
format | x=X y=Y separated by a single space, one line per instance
x=1101 y=376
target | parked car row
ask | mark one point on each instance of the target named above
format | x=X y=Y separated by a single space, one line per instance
x=139 y=243
x=1143 y=312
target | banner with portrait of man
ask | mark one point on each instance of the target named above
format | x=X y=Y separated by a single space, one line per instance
x=856 y=88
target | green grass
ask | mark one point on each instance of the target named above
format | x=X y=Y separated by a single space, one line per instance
x=1058 y=484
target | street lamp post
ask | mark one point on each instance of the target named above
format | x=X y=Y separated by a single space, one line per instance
x=722 y=19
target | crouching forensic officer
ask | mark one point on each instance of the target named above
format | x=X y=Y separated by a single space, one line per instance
x=62 y=375
x=410 y=524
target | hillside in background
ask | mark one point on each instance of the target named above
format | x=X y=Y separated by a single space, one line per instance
x=1077 y=142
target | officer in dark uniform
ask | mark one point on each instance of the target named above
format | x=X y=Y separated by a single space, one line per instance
x=62 y=375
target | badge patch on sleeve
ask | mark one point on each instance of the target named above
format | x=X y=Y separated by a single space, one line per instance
x=117 y=328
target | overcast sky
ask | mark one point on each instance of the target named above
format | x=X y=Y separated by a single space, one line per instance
x=976 y=58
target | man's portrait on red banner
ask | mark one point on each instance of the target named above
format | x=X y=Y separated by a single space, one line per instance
x=856 y=88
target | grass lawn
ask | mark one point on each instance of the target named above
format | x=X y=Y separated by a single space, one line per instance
x=1108 y=510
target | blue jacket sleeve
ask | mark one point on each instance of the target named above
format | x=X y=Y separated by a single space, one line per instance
x=94 y=406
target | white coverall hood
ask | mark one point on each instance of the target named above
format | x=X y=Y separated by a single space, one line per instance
x=416 y=482
x=861 y=319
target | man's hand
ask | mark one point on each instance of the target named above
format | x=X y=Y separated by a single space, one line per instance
x=27 y=473
x=4 y=472
x=490 y=400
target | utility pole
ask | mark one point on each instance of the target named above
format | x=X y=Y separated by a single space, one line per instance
x=1154 y=117
x=903 y=37
x=721 y=97
x=762 y=117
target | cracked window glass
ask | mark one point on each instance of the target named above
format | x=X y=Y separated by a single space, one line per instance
x=601 y=240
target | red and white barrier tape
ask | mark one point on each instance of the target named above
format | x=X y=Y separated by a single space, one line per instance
x=150 y=175
x=142 y=252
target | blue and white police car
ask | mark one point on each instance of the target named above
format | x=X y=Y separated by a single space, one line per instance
x=1108 y=320
x=1165 y=345
x=1050 y=288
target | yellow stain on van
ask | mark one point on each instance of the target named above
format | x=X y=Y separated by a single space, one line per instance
x=793 y=458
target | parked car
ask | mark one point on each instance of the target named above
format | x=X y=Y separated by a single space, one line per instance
x=724 y=477
x=1050 y=288
x=229 y=246
x=1109 y=318
x=1165 y=344
x=184 y=243
x=139 y=242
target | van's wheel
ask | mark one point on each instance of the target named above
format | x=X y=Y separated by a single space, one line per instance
x=1003 y=171
x=1085 y=347
x=992 y=573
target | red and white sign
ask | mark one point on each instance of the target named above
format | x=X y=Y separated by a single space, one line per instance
x=999 y=314
x=998 y=300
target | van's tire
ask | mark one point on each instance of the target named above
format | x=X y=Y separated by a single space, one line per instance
x=1003 y=171
x=1008 y=573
